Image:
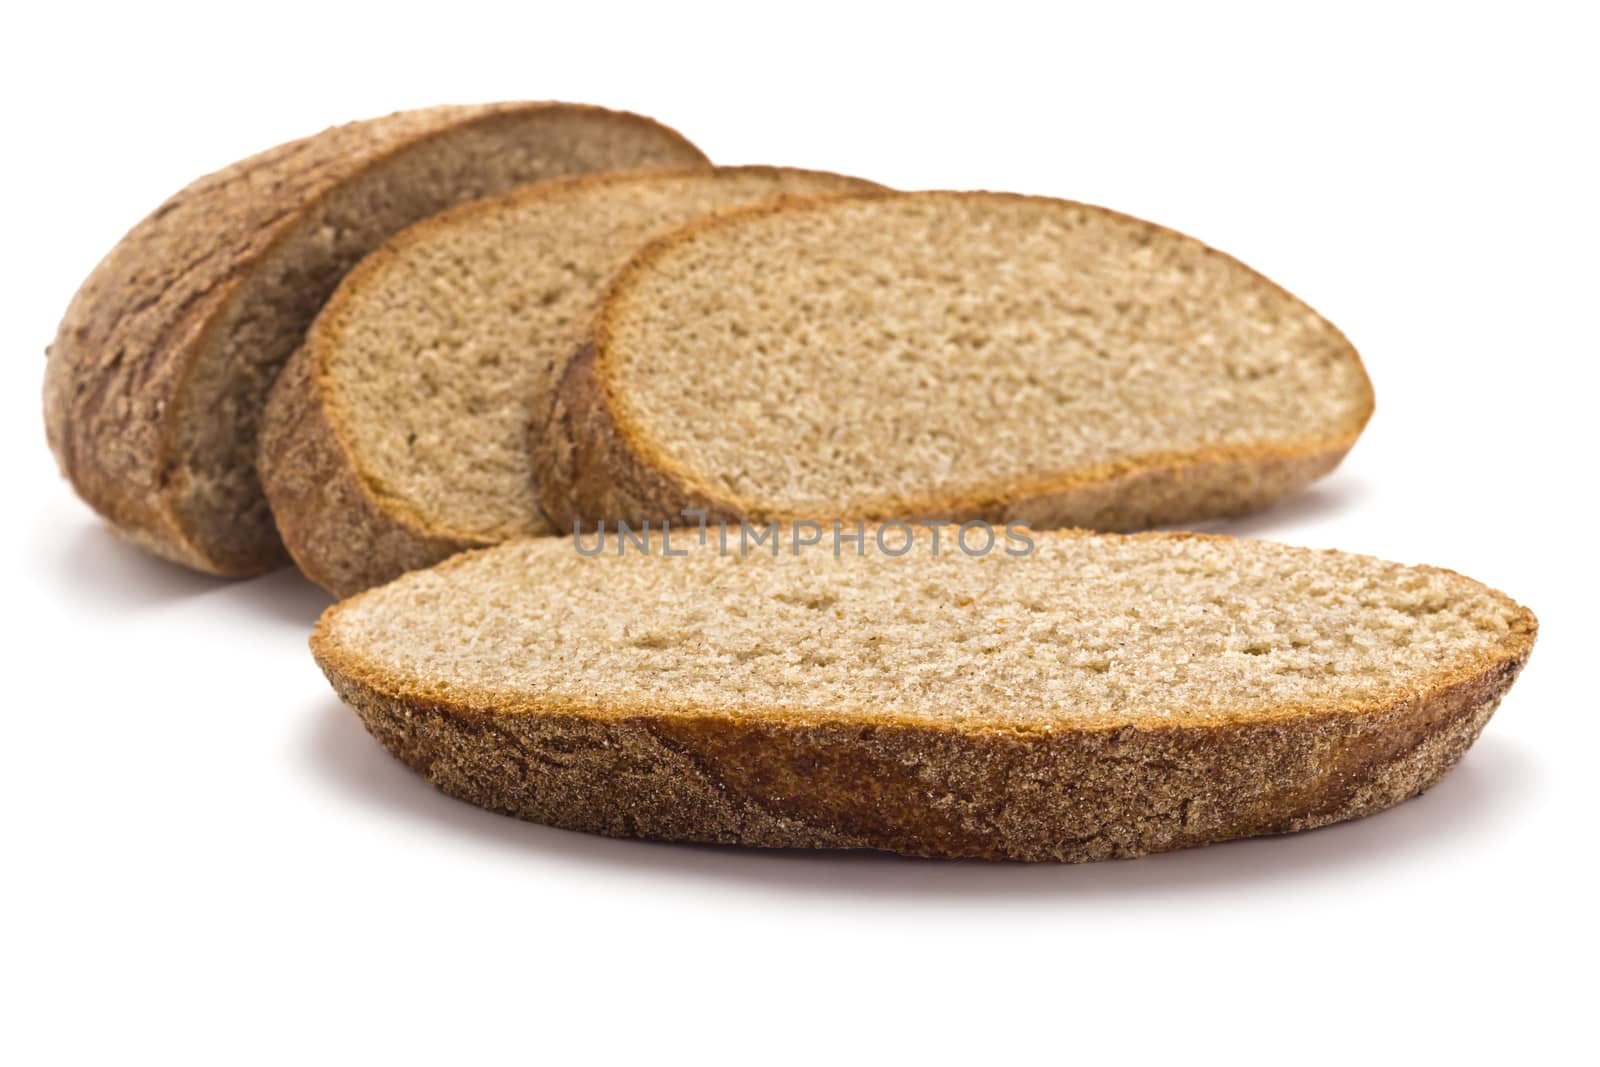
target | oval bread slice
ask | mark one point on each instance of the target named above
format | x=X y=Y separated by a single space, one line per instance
x=398 y=435
x=967 y=355
x=1102 y=696
x=157 y=376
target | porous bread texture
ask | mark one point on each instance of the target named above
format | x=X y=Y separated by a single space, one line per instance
x=1102 y=696
x=972 y=355
x=398 y=434
x=156 y=378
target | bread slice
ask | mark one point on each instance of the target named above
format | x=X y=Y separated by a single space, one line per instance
x=156 y=379
x=398 y=434
x=969 y=355
x=1099 y=696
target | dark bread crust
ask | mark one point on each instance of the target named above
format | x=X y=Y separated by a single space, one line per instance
x=116 y=381
x=848 y=779
x=594 y=462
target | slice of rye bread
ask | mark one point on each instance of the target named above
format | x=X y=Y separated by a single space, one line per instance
x=397 y=435
x=1103 y=696
x=968 y=355
x=156 y=379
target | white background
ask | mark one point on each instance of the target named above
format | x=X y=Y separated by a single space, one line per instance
x=206 y=857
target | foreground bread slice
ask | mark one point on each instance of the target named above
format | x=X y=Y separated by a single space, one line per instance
x=1104 y=696
x=975 y=355
x=397 y=435
x=157 y=376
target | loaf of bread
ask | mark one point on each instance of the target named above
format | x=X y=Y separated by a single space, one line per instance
x=398 y=435
x=157 y=376
x=969 y=355
x=1096 y=696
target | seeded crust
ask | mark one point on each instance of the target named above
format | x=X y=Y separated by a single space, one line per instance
x=858 y=778
x=125 y=393
x=347 y=529
x=595 y=462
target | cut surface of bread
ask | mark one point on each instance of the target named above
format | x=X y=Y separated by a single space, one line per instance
x=398 y=435
x=155 y=381
x=972 y=355
x=1102 y=696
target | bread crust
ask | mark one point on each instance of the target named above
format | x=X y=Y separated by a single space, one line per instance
x=341 y=532
x=126 y=350
x=594 y=462
x=337 y=522
x=853 y=779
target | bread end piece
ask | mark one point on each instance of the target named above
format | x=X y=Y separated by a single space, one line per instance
x=157 y=374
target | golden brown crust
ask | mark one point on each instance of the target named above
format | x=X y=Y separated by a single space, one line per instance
x=588 y=470
x=115 y=381
x=594 y=461
x=342 y=530
x=847 y=779
x=333 y=522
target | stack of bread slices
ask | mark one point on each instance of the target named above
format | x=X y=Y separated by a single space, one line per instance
x=634 y=471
